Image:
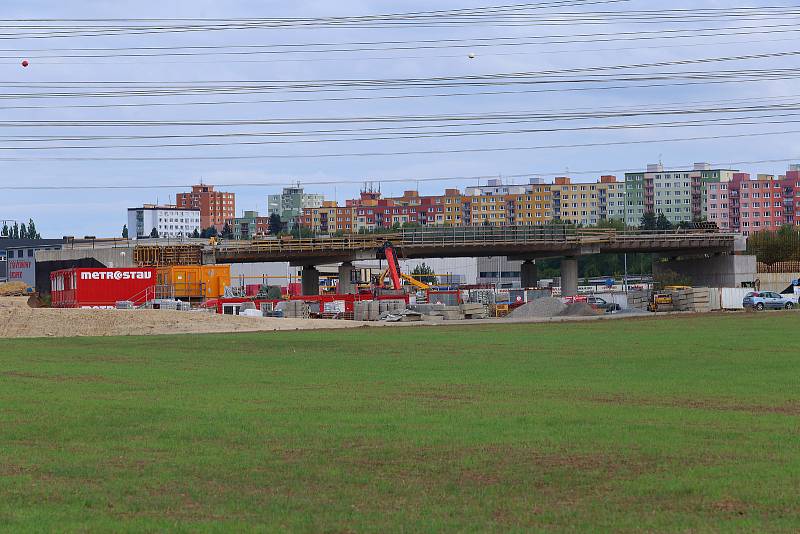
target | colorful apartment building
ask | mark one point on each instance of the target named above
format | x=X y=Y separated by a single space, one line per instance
x=249 y=225
x=680 y=195
x=329 y=218
x=535 y=203
x=764 y=202
x=732 y=200
x=216 y=207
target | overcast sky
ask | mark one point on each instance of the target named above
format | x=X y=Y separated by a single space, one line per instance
x=103 y=212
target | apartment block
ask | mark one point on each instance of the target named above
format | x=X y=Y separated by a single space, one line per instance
x=249 y=225
x=291 y=203
x=680 y=195
x=329 y=218
x=215 y=207
x=168 y=221
x=765 y=202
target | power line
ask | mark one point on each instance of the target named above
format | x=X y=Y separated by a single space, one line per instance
x=398 y=153
x=395 y=45
x=687 y=166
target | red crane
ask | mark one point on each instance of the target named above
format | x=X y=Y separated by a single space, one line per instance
x=394 y=266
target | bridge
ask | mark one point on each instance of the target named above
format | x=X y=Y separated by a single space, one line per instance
x=526 y=243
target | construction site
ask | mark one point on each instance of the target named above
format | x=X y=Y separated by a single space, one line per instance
x=118 y=287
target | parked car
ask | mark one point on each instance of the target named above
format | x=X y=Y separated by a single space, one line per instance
x=761 y=300
x=603 y=304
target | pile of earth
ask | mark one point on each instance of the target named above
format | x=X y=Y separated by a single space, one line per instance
x=12 y=289
x=552 y=307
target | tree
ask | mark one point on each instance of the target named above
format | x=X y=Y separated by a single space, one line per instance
x=125 y=231
x=771 y=247
x=648 y=221
x=227 y=231
x=195 y=233
x=32 y=233
x=209 y=232
x=613 y=224
x=275 y=224
x=154 y=233
x=23 y=231
x=15 y=231
x=662 y=223
x=424 y=273
x=6 y=231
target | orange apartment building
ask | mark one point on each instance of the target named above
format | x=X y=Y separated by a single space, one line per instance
x=215 y=207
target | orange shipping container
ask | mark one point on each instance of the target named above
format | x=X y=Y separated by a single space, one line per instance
x=196 y=281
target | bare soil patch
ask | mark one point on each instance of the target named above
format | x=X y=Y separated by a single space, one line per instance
x=17 y=320
x=700 y=404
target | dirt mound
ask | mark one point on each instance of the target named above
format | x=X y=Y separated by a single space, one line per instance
x=13 y=302
x=18 y=320
x=12 y=289
x=579 y=309
x=544 y=307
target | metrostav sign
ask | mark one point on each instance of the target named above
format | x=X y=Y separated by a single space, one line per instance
x=117 y=275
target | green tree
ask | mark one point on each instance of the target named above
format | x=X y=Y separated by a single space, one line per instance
x=23 y=231
x=154 y=233
x=32 y=233
x=275 y=224
x=211 y=231
x=227 y=231
x=6 y=231
x=771 y=247
x=612 y=224
x=15 y=231
x=424 y=273
x=125 y=231
x=648 y=221
x=301 y=232
x=195 y=233
x=662 y=223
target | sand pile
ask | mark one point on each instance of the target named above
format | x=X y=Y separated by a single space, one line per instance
x=19 y=320
x=10 y=289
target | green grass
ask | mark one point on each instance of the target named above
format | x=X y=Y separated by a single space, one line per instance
x=680 y=424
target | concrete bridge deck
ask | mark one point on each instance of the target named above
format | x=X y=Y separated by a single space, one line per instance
x=523 y=242
x=526 y=243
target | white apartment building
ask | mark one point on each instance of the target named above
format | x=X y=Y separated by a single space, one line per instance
x=496 y=187
x=168 y=221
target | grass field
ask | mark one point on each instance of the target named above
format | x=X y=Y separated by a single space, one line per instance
x=658 y=424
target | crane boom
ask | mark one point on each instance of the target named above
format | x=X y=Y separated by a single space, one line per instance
x=394 y=266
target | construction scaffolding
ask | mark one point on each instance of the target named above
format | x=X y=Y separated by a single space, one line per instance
x=156 y=256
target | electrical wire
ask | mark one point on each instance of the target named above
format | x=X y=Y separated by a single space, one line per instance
x=688 y=166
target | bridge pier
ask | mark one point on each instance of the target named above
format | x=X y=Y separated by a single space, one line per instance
x=569 y=276
x=310 y=280
x=345 y=285
x=529 y=274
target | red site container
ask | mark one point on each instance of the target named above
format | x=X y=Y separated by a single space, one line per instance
x=100 y=288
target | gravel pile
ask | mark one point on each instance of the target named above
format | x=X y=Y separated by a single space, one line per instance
x=580 y=309
x=544 y=307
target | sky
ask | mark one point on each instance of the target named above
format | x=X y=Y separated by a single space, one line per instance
x=392 y=161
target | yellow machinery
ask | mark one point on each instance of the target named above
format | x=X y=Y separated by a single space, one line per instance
x=660 y=302
x=408 y=278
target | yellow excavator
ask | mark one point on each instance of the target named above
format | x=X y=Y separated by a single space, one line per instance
x=408 y=278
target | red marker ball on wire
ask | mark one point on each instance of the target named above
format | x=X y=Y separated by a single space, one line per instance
x=25 y=63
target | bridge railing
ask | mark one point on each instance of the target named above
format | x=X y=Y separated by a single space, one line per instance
x=444 y=236
x=280 y=245
x=476 y=235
